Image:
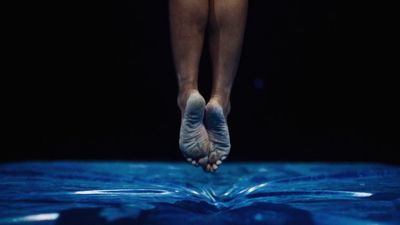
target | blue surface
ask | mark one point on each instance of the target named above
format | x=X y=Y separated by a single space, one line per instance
x=174 y=193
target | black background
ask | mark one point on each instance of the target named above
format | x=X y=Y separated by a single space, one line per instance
x=102 y=86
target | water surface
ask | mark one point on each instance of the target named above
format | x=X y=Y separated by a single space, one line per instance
x=177 y=193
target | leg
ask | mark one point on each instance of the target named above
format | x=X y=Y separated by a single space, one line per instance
x=227 y=20
x=188 y=20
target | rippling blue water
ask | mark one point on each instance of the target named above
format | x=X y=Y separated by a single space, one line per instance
x=174 y=193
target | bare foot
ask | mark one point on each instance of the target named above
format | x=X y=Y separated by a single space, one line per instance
x=193 y=138
x=218 y=134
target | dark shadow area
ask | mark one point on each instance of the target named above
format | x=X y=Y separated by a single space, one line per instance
x=187 y=212
x=101 y=85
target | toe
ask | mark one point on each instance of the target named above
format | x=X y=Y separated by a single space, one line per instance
x=203 y=161
x=213 y=157
x=208 y=168
x=219 y=162
x=195 y=163
x=215 y=167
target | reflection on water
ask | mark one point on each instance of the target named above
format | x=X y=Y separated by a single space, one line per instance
x=165 y=193
x=141 y=192
x=31 y=218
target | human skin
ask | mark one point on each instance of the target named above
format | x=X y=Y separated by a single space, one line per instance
x=208 y=143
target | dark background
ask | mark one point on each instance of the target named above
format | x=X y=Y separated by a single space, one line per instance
x=309 y=86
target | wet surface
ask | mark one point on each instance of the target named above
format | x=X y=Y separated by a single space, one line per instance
x=177 y=193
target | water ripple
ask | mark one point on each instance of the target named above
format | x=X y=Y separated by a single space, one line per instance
x=144 y=192
x=258 y=193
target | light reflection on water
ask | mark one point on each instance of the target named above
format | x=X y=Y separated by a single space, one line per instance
x=31 y=218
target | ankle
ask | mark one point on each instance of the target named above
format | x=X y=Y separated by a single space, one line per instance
x=222 y=101
x=183 y=96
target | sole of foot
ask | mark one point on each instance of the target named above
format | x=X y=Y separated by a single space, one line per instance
x=218 y=134
x=193 y=137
